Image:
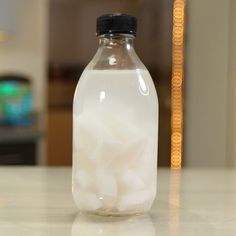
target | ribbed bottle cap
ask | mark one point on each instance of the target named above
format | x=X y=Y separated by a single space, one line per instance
x=116 y=23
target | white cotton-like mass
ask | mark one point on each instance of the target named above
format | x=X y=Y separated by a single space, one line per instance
x=114 y=149
x=122 y=159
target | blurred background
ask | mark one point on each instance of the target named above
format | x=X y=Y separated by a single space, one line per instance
x=189 y=50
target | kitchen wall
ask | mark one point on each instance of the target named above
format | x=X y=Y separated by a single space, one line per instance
x=206 y=82
x=71 y=26
x=62 y=37
x=26 y=51
x=73 y=23
x=231 y=137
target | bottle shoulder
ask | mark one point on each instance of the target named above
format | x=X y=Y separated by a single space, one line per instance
x=117 y=81
x=117 y=91
x=116 y=59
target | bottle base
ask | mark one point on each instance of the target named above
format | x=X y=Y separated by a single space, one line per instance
x=118 y=213
x=113 y=213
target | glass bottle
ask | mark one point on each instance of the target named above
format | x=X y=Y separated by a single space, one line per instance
x=115 y=126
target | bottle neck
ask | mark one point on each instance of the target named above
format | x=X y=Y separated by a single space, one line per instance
x=115 y=51
x=116 y=41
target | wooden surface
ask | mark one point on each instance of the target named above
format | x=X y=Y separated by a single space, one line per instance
x=59 y=137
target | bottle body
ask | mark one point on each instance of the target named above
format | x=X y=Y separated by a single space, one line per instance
x=115 y=136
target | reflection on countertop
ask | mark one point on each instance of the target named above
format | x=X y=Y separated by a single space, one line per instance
x=115 y=226
x=37 y=201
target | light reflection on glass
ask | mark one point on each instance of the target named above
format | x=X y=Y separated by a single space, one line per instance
x=143 y=88
x=115 y=226
x=112 y=60
x=102 y=96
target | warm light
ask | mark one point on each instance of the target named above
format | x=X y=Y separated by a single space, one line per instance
x=176 y=84
x=3 y=36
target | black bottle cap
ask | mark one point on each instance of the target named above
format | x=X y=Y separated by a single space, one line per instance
x=116 y=23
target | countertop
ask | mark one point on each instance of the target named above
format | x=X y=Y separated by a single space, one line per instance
x=37 y=201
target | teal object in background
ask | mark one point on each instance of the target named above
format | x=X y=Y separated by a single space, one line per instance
x=16 y=101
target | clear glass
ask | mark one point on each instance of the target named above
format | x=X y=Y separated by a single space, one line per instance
x=115 y=132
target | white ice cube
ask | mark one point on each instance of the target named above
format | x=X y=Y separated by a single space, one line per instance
x=146 y=163
x=130 y=181
x=108 y=154
x=89 y=133
x=87 y=200
x=123 y=127
x=106 y=183
x=83 y=178
x=135 y=199
x=127 y=154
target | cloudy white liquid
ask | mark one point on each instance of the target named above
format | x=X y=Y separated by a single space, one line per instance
x=115 y=117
